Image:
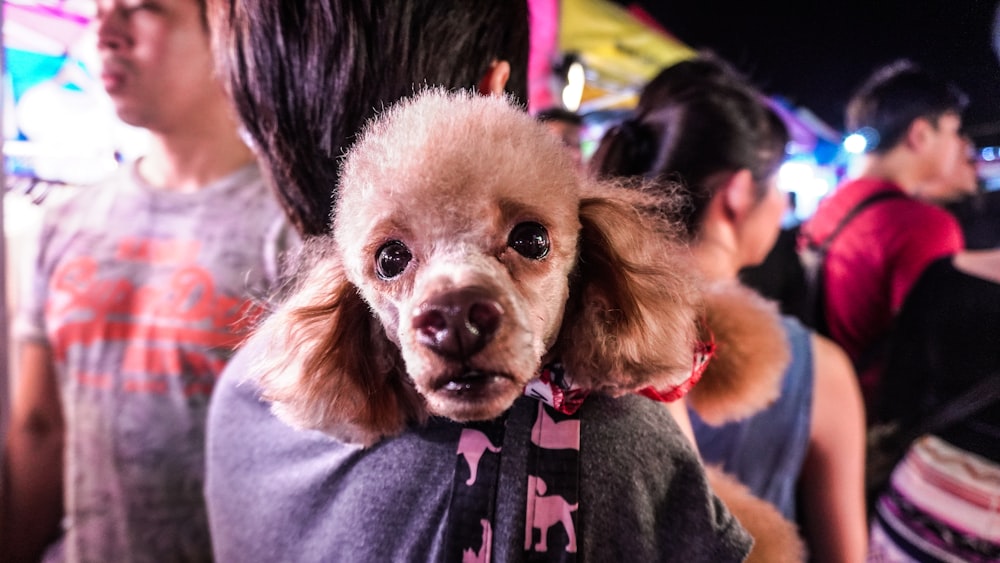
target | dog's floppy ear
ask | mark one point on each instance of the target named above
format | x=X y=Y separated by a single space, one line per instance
x=329 y=365
x=631 y=319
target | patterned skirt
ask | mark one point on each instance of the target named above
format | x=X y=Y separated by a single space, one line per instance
x=943 y=504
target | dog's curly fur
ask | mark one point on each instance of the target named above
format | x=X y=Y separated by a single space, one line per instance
x=450 y=176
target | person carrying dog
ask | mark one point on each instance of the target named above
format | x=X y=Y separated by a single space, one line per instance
x=305 y=76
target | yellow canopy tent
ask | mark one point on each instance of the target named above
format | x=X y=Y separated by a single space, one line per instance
x=620 y=50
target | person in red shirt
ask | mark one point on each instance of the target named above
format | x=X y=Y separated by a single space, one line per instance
x=912 y=121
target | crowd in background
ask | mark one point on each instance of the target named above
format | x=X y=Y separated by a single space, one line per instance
x=134 y=434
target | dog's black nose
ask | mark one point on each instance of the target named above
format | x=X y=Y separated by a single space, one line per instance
x=458 y=324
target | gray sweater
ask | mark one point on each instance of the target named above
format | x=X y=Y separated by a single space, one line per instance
x=279 y=494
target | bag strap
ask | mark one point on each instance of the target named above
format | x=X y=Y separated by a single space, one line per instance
x=973 y=400
x=814 y=260
x=850 y=215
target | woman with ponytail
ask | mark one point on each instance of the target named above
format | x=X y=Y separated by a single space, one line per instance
x=703 y=133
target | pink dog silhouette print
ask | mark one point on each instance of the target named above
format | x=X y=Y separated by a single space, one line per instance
x=552 y=435
x=545 y=512
x=473 y=444
x=485 y=552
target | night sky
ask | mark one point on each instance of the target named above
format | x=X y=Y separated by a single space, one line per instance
x=816 y=54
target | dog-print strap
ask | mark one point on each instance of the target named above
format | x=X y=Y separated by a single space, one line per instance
x=553 y=474
x=553 y=467
x=553 y=486
x=473 y=495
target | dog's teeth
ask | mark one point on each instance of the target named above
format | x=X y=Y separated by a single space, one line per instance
x=467 y=382
x=458 y=386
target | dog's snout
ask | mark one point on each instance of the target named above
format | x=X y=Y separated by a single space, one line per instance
x=458 y=324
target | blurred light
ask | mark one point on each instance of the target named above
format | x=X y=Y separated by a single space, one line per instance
x=793 y=175
x=808 y=181
x=572 y=93
x=855 y=143
x=863 y=140
x=989 y=153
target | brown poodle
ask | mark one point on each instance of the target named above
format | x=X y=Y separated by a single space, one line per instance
x=468 y=252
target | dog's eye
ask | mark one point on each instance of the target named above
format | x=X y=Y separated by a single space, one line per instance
x=391 y=259
x=530 y=240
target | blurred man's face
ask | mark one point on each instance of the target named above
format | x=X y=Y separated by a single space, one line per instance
x=966 y=174
x=156 y=61
x=945 y=148
x=958 y=176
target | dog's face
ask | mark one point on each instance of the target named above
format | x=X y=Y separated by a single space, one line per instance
x=462 y=247
x=468 y=250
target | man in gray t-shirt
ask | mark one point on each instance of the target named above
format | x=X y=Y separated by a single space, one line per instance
x=143 y=286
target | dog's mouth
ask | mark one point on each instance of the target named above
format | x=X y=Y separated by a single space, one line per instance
x=471 y=384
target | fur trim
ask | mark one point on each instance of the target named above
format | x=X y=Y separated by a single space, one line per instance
x=750 y=359
x=775 y=540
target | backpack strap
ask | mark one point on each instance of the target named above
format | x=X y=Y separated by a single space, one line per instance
x=876 y=197
x=813 y=259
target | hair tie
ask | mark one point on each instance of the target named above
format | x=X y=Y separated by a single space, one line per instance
x=639 y=144
x=631 y=129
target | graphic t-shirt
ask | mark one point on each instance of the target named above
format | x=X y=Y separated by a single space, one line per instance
x=142 y=295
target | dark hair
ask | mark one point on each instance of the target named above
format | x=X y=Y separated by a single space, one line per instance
x=695 y=120
x=203 y=11
x=559 y=114
x=305 y=75
x=895 y=95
